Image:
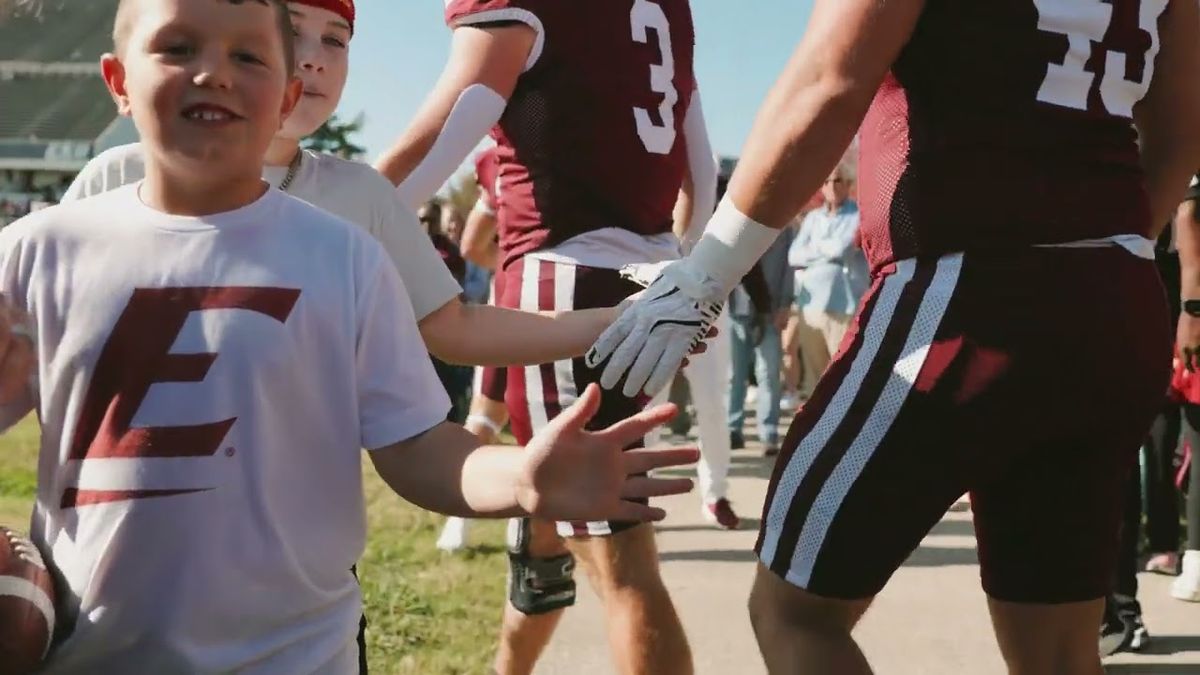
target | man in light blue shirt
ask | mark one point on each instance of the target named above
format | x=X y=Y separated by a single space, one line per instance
x=831 y=273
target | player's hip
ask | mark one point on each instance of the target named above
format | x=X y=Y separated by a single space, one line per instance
x=1090 y=304
x=533 y=283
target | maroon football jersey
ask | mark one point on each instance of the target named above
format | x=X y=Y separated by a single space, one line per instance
x=593 y=134
x=487 y=173
x=1009 y=123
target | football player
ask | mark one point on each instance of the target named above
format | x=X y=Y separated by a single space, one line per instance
x=594 y=110
x=1016 y=351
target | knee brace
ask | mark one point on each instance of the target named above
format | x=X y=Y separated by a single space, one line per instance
x=537 y=585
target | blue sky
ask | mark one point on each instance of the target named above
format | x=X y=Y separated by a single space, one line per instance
x=400 y=46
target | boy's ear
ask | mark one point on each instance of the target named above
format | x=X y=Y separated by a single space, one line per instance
x=291 y=98
x=113 y=72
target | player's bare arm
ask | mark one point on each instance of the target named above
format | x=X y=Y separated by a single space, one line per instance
x=809 y=117
x=486 y=335
x=467 y=101
x=565 y=473
x=479 y=239
x=1166 y=121
x=1166 y=118
x=1187 y=239
x=799 y=135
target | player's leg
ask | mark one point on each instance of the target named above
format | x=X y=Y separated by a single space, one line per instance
x=644 y=630
x=1091 y=358
x=870 y=464
x=620 y=559
x=1162 y=497
x=1122 y=627
x=1187 y=585
x=800 y=632
x=529 y=621
x=708 y=376
x=1045 y=616
x=541 y=572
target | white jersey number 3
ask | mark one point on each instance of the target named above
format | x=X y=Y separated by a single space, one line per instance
x=1085 y=22
x=658 y=139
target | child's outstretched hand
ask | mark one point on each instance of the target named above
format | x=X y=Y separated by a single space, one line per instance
x=17 y=358
x=573 y=474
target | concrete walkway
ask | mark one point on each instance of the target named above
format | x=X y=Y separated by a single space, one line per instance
x=931 y=620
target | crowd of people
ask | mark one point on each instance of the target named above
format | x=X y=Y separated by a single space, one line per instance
x=218 y=321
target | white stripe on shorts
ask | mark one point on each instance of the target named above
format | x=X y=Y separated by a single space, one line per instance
x=789 y=481
x=535 y=399
x=564 y=300
x=879 y=421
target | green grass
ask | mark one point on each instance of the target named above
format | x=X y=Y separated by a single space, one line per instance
x=429 y=613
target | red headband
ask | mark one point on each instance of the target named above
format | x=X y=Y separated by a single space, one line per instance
x=343 y=8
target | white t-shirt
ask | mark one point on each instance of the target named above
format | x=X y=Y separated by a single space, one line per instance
x=204 y=388
x=350 y=190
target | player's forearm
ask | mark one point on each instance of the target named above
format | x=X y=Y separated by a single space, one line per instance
x=1169 y=165
x=484 y=254
x=445 y=470
x=799 y=135
x=1166 y=117
x=483 y=335
x=1187 y=240
x=479 y=240
x=398 y=161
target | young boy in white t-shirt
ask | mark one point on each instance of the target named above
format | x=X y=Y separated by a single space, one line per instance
x=211 y=356
x=453 y=331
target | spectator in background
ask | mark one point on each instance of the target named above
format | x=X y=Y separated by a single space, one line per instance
x=756 y=338
x=831 y=273
x=476 y=281
x=452 y=224
x=1187 y=381
x=1122 y=628
x=455 y=378
x=430 y=216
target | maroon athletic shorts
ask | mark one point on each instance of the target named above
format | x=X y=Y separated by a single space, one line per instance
x=537 y=394
x=1027 y=378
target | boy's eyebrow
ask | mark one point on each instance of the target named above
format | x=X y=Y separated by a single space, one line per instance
x=337 y=23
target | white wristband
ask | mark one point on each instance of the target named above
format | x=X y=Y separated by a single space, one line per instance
x=730 y=246
x=483 y=421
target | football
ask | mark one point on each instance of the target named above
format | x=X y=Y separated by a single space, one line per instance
x=26 y=605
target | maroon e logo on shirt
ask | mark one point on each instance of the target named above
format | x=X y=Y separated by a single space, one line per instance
x=136 y=357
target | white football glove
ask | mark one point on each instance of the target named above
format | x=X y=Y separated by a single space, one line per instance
x=649 y=340
x=651 y=337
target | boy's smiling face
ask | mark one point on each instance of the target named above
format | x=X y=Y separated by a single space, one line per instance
x=322 y=40
x=206 y=81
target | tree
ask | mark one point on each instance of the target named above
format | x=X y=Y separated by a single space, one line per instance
x=334 y=137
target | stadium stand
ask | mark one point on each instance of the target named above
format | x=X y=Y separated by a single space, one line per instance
x=55 y=113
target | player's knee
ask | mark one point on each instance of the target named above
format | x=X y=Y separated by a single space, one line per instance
x=777 y=608
x=621 y=563
x=537 y=583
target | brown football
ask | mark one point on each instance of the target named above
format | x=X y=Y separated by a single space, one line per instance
x=26 y=605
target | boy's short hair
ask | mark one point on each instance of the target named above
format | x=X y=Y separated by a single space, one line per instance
x=125 y=14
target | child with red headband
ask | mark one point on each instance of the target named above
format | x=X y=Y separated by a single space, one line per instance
x=212 y=356
x=454 y=332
